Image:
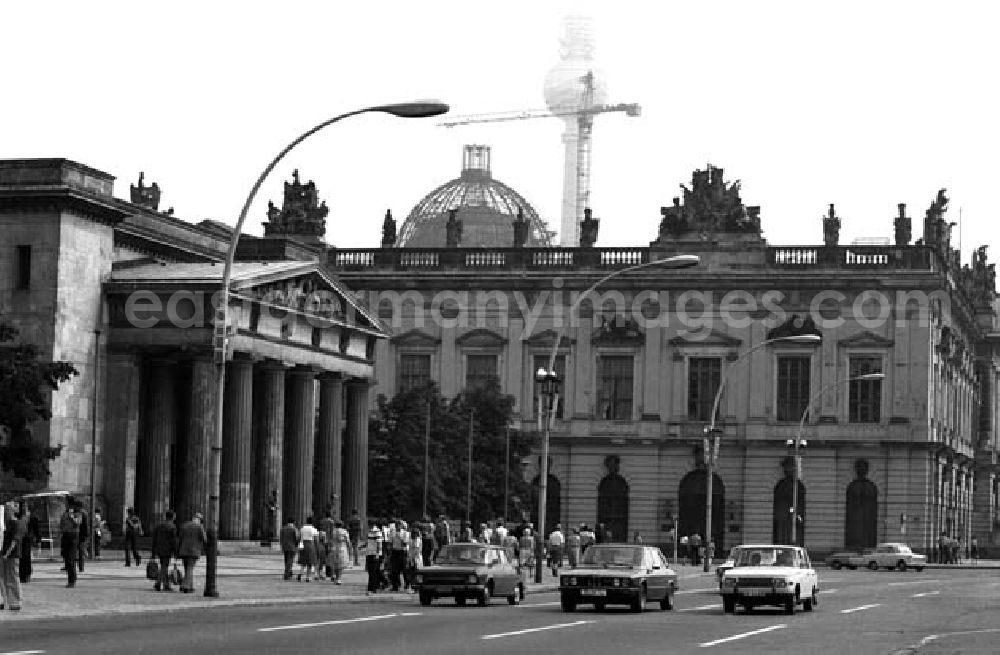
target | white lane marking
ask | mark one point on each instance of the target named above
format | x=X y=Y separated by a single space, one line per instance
x=910 y=650
x=693 y=591
x=858 y=609
x=544 y=627
x=742 y=635
x=703 y=607
x=926 y=593
x=898 y=584
x=554 y=602
x=361 y=619
x=26 y=652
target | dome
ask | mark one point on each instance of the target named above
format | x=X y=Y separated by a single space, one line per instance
x=486 y=208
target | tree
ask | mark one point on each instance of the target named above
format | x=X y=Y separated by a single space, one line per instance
x=396 y=462
x=24 y=381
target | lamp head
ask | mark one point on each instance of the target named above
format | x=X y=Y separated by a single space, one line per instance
x=805 y=339
x=677 y=261
x=541 y=374
x=871 y=376
x=416 y=109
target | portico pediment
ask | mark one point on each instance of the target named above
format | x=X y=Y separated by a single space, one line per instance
x=481 y=338
x=866 y=339
x=545 y=339
x=702 y=338
x=415 y=339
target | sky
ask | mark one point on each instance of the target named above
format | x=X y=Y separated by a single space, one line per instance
x=861 y=104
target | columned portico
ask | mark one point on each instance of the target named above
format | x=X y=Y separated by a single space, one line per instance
x=159 y=435
x=356 y=450
x=269 y=437
x=329 y=442
x=300 y=422
x=201 y=422
x=234 y=515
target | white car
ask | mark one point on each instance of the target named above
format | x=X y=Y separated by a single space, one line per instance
x=770 y=574
x=892 y=556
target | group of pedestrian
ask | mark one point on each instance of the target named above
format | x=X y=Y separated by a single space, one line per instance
x=951 y=549
x=186 y=543
x=322 y=552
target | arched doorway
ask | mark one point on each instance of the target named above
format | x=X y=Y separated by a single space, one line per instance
x=612 y=501
x=691 y=507
x=861 y=516
x=781 y=521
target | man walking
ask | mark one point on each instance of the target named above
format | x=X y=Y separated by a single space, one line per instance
x=191 y=546
x=10 y=554
x=69 y=541
x=289 y=541
x=373 y=556
x=399 y=541
x=164 y=547
x=133 y=530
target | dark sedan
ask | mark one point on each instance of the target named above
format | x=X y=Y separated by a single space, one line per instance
x=619 y=574
x=463 y=571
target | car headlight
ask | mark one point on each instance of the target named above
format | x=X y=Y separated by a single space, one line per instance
x=472 y=579
x=418 y=578
x=617 y=582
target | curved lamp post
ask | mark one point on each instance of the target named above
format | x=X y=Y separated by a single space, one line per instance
x=549 y=381
x=713 y=432
x=419 y=109
x=800 y=442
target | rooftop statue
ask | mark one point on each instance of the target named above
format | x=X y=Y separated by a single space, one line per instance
x=709 y=206
x=588 y=229
x=301 y=213
x=903 y=226
x=521 y=229
x=453 y=229
x=388 y=230
x=937 y=233
x=146 y=196
x=831 y=228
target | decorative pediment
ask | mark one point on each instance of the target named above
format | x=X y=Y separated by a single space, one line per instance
x=415 y=339
x=546 y=338
x=866 y=339
x=700 y=338
x=481 y=338
x=618 y=330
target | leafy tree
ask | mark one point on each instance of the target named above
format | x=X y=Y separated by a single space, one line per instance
x=23 y=401
x=396 y=462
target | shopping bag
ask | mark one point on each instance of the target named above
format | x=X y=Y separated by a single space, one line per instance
x=152 y=570
x=175 y=576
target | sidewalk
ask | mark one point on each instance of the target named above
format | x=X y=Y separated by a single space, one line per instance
x=108 y=587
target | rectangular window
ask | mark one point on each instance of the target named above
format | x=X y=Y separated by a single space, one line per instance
x=480 y=370
x=24 y=267
x=414 y=371
x=864 y=396
x=614 y=399
x=704 y=377
x=542 y=361
x=793 y=387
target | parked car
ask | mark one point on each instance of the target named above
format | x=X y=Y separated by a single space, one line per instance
x=619 y=574
x=892 y=556
x=770 y=574
x=842 y=559
x=464 y=571
x=730 y=562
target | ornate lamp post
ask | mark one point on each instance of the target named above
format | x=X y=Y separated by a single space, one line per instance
x=712 y=442
x=549 y=376
x=420 y=109
x=799 y=442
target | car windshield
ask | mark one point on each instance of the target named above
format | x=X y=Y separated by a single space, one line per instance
x=606 y=557
x=766 y=557
x=461 y=554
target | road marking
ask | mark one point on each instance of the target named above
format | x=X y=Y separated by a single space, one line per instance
x=554 y=602
x=828 y=591
x=858 y=609
x=742 y=635
x=527 y=630
x=692 y=591
x=926 y=593
x=899 y=584
x=299 y=626
x=24 y=652
x=910 y=650
x=703 y=607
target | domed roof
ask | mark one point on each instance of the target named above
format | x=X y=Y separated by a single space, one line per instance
x=486 y=208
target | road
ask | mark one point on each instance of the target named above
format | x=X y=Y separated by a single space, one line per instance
x=860 y=612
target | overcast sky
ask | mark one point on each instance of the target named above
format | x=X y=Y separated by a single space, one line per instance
x=862 y=104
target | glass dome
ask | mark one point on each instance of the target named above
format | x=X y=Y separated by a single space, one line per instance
x=486 y=208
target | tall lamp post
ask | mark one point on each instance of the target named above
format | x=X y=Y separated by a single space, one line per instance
x=799 y=442
x=712 y=444
x=549 y=376
x=420 y=109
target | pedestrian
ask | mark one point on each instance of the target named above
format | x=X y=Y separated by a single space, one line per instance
x=163 y=549
x=556 y=541
x=587 y=538
x=83 y=543
x=442 y=535
x=974 y=549
x=133 y=530
x=191 y=540
x=428 y=543
x=14 y=530
x=485 y=533
x=69 y=540
x=684 y=548
x=99 y=529
x=527 y=547
x=289 y=541
x=694 y=545
x=270 y=528
x=636 y=537
x=321 y=554
x=465 y=533
x=414 y=557
x=32 y=536
x=307 y=554
x=499 y=533
x=373 y=556
x=573 y=547
x=399 y=541
x=326 y=526
x=354 y=532
x=510 y=545
x=340 y=550
x=943 y=549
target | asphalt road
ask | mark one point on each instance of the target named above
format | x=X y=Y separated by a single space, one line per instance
x=859 y=613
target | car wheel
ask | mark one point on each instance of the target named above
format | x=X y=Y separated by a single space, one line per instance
x=790 y=606
x=872 y=566
x=853 y=568
x=520 y=591
x=568 y=604
x=748 y=608
x=728 y=606
x=460 y=601
x=919 y=569
x=809 y=603
x=426 y=598
x=484 y=597
x=667 y=602
x=835 y=565
x=640 y=603
x=901 y=565
x=599 y=606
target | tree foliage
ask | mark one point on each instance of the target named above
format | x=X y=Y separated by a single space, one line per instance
x=396 y=454
x=24 y=384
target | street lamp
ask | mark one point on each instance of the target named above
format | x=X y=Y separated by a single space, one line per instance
x=418 y=109
x=677 y=261
x=712 y=446
x=799 y=442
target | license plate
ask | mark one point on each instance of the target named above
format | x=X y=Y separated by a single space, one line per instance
x=755 y=592
x=442 y=590
x=593 y=592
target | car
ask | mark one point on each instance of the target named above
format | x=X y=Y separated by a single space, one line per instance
x=770 y=574
x=619 y=574
x=892 y=555
x=842 y=559
x=730 y=562
x=469 y=570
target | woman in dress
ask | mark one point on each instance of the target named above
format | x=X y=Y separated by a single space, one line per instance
x=339 y=543
x=307 y=555
x=413 y=557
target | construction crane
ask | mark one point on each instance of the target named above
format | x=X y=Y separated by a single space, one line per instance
x=576 y=192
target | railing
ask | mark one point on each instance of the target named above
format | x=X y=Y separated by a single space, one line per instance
x=485 y=258
x=852 y=257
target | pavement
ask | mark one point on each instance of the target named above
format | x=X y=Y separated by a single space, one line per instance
x=246 y=577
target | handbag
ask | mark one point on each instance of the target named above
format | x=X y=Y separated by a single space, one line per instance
x=175 y=576
x=152 y=570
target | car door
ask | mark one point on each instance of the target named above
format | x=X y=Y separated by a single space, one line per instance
x=656 y=578
x=503 y=573
x=810 y=580
x=669 y=576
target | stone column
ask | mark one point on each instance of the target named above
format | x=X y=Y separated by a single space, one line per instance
x=329 y=442
x=234 y=502
x=300 y=425
x=269 y=439
x=122 y=401
x=159 y=434
x=201 y=423
x=355 y=486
